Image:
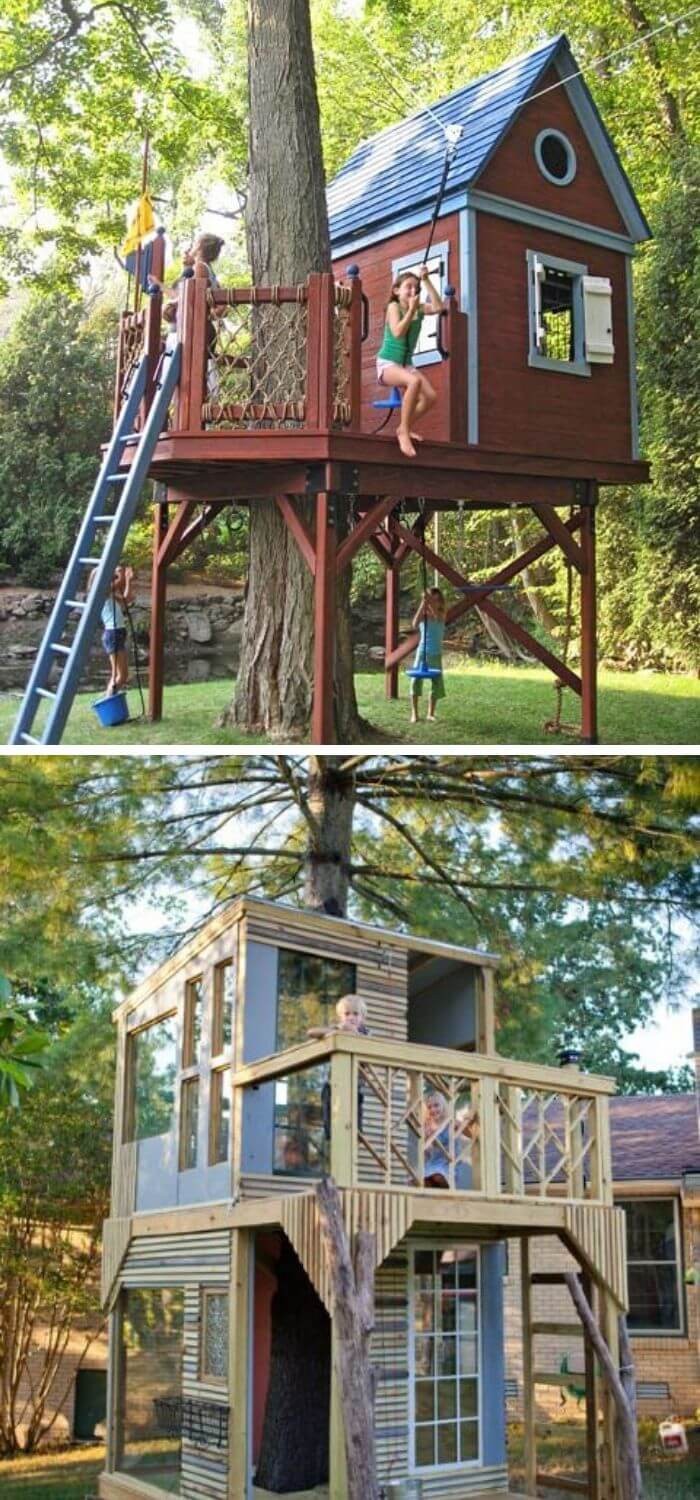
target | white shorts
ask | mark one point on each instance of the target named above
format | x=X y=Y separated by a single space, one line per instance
x=382 y=365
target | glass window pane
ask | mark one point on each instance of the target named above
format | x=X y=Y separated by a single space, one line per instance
x=220 y=1105
x=423 y=1264
x=425 y=1447
x=302 y=1123
x=192 y=1038
x=466 y=1315
x=653 y=1293
x=468 y=1355
x=448 y=1312
x=152 y=1345
x=425 y=1356
x=446 y=1356
x=466 y=1269
x=424 y=1312
x=468 y=1441
x=224 y=998
x=189 y=1124
x=446 y=1398
x=153 y=1066
x=651 y=1231
x=308 y=989
x=448 y=1270
x=447 y=1443
x=468 y=1398
x=425 y=1400
x=215 y=1335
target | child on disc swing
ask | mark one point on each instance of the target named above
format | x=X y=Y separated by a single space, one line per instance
x=430 y=620
x=404 y=316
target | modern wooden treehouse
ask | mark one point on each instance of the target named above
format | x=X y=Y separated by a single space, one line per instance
x=270 y=391
x=214 y=1274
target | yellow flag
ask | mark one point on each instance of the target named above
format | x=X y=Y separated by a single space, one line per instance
x=143 y=223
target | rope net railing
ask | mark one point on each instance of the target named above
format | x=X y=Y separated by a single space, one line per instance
x=132 y=336
x=342 y=357
x=256 y=358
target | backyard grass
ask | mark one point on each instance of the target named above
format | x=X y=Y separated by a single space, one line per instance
x=72 y=1473
x=485 y=705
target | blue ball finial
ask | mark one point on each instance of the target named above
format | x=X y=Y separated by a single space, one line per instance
x=353 y=270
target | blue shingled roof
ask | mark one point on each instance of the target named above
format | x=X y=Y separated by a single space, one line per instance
x=397 y=172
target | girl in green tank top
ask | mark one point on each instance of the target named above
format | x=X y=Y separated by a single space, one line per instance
x=402 y=326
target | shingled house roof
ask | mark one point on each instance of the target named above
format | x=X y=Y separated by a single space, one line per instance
x=394 y=175
x=654 y=1136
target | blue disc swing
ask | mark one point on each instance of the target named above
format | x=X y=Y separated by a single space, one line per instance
x=420 y=670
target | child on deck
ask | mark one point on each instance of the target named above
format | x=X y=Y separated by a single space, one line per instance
x=430 y=617
x=351 y=1013
x=404 y=315
x=121 y=593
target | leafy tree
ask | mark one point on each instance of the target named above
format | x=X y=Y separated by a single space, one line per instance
x=580 y=872
x=54 y=1187
x=55 y=389
x=22 y=1049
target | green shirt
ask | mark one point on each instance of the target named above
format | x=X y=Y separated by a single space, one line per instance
x=400 y=350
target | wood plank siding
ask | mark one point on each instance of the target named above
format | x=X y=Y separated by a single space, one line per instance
x=540 y=411
x=513 y=171
x=375 y=271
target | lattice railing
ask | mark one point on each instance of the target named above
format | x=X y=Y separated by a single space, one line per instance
x=414 y=1126
x=256 y=358
x=548 y=1142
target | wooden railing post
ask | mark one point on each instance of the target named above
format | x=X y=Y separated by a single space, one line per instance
x=488 y=1135
x=511 y=1139
x=319 y=351
x=456 y=370
x=343 y=1118
x=185 y=319
x=601 y=1159
x=201 y=333
x=355 y=318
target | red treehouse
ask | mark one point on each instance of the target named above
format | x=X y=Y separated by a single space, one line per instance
x=514 y=187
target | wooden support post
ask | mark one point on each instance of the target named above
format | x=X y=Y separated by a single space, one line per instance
x=529 y=1437
x=592 y=1404
x=589 y=694
x=201 y=334
x=239 y=1361
x=486 y=1013
x=159 y=579
x=343 y=1118
x=319 y=351
x=322 y=722
x=185 y=321
x=391 y=627
x=356 y=355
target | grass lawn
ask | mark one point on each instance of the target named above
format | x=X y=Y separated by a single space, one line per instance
x=485 y=705
x=561 y=1450
x=72 y=1474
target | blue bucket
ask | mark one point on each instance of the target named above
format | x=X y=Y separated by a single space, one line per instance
x=112 y=710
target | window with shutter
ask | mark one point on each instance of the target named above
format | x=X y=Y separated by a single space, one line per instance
x=556 y=314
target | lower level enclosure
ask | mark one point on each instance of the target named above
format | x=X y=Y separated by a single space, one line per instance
x=220 y=1370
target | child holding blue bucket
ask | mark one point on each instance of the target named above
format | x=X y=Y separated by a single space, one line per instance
x=121 y=594
x=430 y=619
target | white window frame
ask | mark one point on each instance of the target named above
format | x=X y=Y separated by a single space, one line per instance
x=438 y=260
x=661 y=1333
x=537 y=259
x=424 y=1470
x=566 y=143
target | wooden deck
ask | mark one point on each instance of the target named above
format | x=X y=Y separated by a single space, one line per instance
x=209 y=465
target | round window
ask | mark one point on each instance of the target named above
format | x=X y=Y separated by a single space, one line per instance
x=556 y=157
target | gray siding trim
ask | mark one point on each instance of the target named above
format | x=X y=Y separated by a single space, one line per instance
x=470 y=305
x=632 y=348
x=541 y=218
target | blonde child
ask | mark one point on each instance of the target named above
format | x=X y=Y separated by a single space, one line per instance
x=351 y=1015
x=430 y=619
x=403 y=318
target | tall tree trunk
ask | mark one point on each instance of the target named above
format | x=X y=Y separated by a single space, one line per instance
x=287 y=238
x=294 y=1445
x=331 y=804
x=352 y=1281
x=621 y=1388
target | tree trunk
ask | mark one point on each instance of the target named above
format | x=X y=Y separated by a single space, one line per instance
x=331 y=804
x=627 y=1440
x=294 y=1446
x=352 y=1283
x=287 y=227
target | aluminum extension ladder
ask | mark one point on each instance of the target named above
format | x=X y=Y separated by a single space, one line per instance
x=99 y=546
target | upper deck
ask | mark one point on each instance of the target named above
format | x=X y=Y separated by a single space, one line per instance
x=273 y=400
